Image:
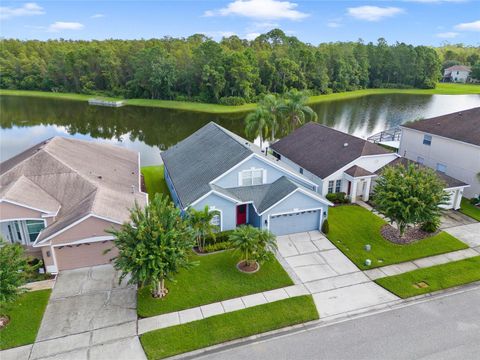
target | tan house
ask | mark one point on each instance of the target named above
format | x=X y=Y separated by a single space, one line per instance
x=58 y=198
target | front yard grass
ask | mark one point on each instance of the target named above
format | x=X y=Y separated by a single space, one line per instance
x=178 y=339
x=216 y=278
x=469 y=209
x=154 y=180
x=352 y=227
x=437 y=277
x=25 y=317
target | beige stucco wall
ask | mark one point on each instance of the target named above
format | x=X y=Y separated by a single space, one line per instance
x=10 y=211
x=83 y=255
x=47 y=260
x=91 y=227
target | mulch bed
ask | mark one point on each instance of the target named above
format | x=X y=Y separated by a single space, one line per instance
x=250 y=268
x=411 y=234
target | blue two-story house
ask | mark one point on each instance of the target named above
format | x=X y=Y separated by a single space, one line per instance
x=241 y=183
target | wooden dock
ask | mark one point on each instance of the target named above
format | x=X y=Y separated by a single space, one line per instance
x=109 y=103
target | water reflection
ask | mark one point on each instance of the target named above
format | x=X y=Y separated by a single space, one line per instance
x=26 y=121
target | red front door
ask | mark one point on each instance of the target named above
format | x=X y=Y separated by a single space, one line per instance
x=241 y=214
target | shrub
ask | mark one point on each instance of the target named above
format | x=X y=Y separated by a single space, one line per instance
x=331 y=197
x=338 y=198
x=431 y=226
x=475 y=201
x=224 y=245
x=325 y=227
x=219 y=237
x=232 y=100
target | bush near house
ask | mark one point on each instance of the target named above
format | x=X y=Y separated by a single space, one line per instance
x=352 y=227
x=338 y=198
x=433 y=278
x=25 y=315
x=178 y=339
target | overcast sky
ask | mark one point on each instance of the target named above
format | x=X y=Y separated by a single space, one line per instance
x=428 y=22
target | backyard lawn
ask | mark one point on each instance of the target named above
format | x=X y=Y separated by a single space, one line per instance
x=154 y=180
x=433 y=278
x=352 y=227
x=178 y=339
x=25 y=317
x=470 y=210
x=216 y=278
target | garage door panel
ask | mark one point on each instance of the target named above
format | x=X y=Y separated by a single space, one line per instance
x=295 y=222
x=84 y=255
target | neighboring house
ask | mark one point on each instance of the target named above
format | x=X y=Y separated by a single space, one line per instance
x=214 y=167
x=334 y=160
x=453 y=187
x=449 y=144
x=457 y=73
x=58 y=198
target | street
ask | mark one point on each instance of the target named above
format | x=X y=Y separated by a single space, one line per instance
x=444 y=328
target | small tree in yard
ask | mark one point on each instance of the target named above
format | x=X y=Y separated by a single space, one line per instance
x=201 y=224
x=14 y=268
x=154 y=246
x=409 y=195
x=254 y=245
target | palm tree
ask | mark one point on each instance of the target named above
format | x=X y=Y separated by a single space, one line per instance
x=295 y=110
x=254 y=245
x=256 y=124
x=272 y=104
x=201 y=224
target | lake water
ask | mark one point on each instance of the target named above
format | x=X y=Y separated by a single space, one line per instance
x=25 y=121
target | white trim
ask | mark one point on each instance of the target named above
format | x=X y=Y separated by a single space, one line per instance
x=213 y=208
x=93 y=239
x=106 y=219
x=63 y=229
x=28 y=207
x=209 y=193
x=456 y=187
x=28 y=243
x=251 y=170
x=320 y=210
x=326 y=202
x=231 y=169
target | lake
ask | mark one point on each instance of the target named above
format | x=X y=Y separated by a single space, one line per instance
x=26 y=121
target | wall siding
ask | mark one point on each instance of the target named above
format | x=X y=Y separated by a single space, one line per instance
x=228 y=208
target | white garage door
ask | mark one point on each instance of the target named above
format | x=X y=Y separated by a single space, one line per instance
x=83 y=255
x=295 y=222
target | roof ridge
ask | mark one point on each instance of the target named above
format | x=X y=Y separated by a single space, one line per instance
x=234 y=136
x=41 y=145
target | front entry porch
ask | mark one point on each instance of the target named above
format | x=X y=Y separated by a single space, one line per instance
x=359 y=183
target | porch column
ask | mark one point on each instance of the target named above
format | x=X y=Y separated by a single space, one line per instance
x=366 y=194
x=353 y=194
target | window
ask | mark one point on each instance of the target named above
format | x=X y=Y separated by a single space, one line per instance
x=442 y=168
x=330 y=186
x=338 y=186
x=251 y=177
x=216 y=220
x=301 y=171
x=420 y=160
x=34 y=227
x=427 y=140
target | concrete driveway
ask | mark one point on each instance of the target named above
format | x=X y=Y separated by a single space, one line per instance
x=89 y=316
x=453 y=218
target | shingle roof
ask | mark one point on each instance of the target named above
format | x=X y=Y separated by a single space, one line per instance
x=401 y=161
x=462 y=126
x=323 y=150
x=81 y=176
x=458 y=68
x=200 y=158
x=358 y=171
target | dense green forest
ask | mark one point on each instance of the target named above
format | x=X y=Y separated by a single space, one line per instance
x=232 y=71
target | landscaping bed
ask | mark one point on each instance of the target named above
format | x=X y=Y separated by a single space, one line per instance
x=154 y=180
x=469 y=209
x=352 y=227
x=217 y=329
x=433 y=278
x=216 y=278
x=25 y=316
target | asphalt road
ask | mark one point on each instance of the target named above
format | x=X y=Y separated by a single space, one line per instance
x=445 y=328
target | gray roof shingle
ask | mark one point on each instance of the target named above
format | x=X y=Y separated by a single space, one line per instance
x=323 y=150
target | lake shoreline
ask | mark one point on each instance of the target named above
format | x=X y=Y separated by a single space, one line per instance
x=441 y=89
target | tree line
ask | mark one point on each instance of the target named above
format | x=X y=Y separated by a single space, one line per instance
x=232 y=71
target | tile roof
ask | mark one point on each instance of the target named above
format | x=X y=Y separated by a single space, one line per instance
x=323 y=150
x=401 y=161
x=462 y=126
x=82 y=177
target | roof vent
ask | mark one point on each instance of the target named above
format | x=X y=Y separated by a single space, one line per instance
x=100 y=177
x=345 y=144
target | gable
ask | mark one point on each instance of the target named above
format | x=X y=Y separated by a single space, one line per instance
x=296 y=201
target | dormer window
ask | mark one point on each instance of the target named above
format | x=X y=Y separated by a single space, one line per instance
x=251 y=177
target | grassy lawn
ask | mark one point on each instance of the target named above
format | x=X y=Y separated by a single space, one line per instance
x=442 y=89
x=25 y=317
x=178 y=339
x=215 y=279
x=469 y=209
x=352 y=227
x=154 y=180
x=437 y=277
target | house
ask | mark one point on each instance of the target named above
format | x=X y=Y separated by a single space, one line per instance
x=240 y=183
x=457 y=73
x=334 y=160
x=453 y=187
x=58 y=197
x=449 y=144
